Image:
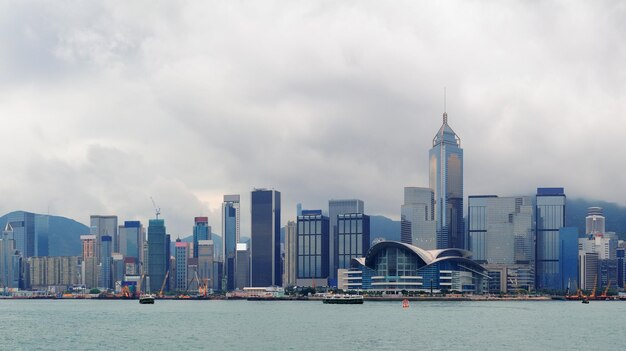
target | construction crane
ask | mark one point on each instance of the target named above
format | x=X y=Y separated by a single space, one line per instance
x=167 y=274
x=138 y=292
x=593 y=292
x=606 y=291
x=157 y=210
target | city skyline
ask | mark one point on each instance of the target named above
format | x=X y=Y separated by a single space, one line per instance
x=110 y=105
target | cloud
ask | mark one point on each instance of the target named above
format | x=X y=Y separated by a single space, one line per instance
x=104 y=105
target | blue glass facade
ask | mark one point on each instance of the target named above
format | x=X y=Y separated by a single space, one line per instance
x=353 y=238
x=265 y=238
x=446 y=180
x=568 y=257
x=131 y=239
x=105 y=254
x=550 y=218
x=23 y=224
x=312 y=243
x=230 y=237
x=200 y=232
x=158 y=254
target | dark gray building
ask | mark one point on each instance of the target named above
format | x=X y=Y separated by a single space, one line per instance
x=312 y=236
x=242 y=273
x=158 y=254
x=265 y=238
x=335 y=208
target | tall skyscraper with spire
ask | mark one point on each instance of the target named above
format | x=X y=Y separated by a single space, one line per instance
x=446 y=180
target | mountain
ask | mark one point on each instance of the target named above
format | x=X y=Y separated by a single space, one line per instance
x=383 y=227
x=63 y=234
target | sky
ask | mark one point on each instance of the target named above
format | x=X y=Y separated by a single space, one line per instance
x=105 y=104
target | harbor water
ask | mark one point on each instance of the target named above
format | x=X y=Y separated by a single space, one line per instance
x=311 y=325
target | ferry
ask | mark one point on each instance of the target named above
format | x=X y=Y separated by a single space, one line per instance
x=342 y=299
x=145 y=299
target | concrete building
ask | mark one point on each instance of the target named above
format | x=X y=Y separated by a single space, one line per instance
x=595 y=221
x=101 y=226
x=62 y=272
x=418 y=218
x=242 y=276
x=265 y=238
x=89 y=266
x=205 y=261
x=291 y=254
x=181 y=253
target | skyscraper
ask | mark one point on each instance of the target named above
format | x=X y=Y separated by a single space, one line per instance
x=291 y=254
x=23 y=224
x=242 y=278
x=181 y=255
x=205 y=262
x=10 y=260
x=104 y=225
x=106 y=262
x=335 y=208
x=89 y=266
x=42 y=232
x=594 y=222
x=158 y=254
x=446 y=180
x=265 y=238
x=418 y=218
x=201 y=231
x=550 y=218
x=131 y=239
x=312 y=237
x=230 y=238
x=353 y=238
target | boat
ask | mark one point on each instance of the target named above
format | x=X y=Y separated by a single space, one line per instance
x=145 y=299
x=342 y=299
x=585 y=300
x=405 y=303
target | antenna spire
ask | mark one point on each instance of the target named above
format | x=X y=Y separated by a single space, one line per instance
x=445 y=114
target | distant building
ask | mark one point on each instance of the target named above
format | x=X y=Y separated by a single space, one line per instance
x=10 y=260
x=291 y=254
x=353 y=238
x=265 y=238
x=201 y=231
x=158 y=254
x=392 y=266
x=500 y=229
x=231 y=218
x=101 y=226
x=312 y=237
x=106 y=261
x=131 y=239
x=42 y=233
x=57 y=271
x=89 y=267
x=595 y=221
x=205 y=261
x=242 y=278
x=418 y=218
x=549 y=219
x=335 y=208
x=23 y=224
x=446 y=180
x=588 y=272
x=181 y=254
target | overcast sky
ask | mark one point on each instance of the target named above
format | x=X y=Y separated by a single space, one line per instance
x=106 y=103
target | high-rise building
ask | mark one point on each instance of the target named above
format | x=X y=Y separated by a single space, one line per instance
x=500 y=229
x=181 y=254
x=106 y=261
x=588 y=269
x=242 y=273
x=418 y=218
x=42 y=232
x=158 y=254
x=89 y=268
x=594 y=222
x=10 y=260
x=131 y=239
x=446 y=180
x=104 y=225
x=23 y=224
x=550 y=218
x=312 y=237
x=353 y=238
x=230 y=238
x=335 y=208
x=201 y=231
x=291 y=254
x=205 y=262
x=265 y=238
x=57 y=271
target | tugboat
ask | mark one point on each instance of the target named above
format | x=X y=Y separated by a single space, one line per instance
x=342 y=299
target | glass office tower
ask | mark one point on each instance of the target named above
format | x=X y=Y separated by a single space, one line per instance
x=23 y=224
x=201 y=231
x=418 y=218
x=265 y=238
x=230 y=238
x=353 y=238
x=312 y=237
x=446 y=180
x=158 y=254
x=550 y=218
x=335 y=208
